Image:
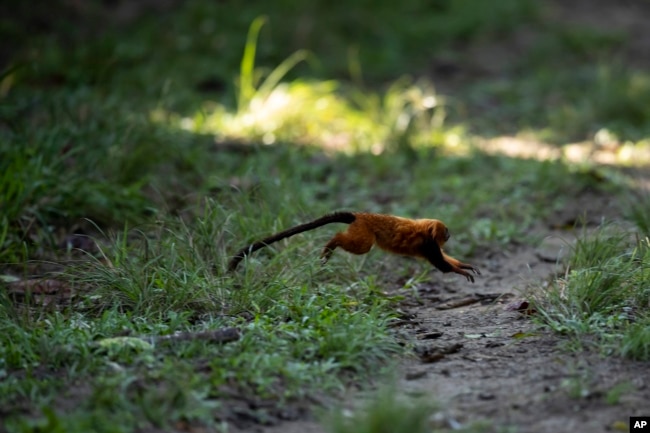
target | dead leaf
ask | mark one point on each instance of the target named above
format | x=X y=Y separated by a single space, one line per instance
x=429 y=335
x=433 y=354
x=522 y=306
x=620 y=426
x=519 y=335
x=463 y=302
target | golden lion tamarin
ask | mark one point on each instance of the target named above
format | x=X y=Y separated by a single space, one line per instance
x=410 y=237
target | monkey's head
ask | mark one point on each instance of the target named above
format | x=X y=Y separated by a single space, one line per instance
x=440 y=232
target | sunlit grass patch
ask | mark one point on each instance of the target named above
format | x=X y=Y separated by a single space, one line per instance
x=318 y=113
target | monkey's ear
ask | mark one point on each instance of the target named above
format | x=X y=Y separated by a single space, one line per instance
x=433 y=231
x=439 y=232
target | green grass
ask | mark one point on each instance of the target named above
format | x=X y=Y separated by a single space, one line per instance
x=387 y=410
x=637 y=209
x=173 y=140
x=298 y=337
x=571 y=105
x=601 y=301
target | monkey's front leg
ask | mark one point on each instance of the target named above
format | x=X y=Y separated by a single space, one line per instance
x=433 y=253
x=457 y=263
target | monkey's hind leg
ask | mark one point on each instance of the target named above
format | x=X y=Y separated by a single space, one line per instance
x=354 y=243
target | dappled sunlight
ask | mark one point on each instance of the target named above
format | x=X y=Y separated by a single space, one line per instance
x=315 y=114
x=603 y=149
x=410 y=114
x=301 y=113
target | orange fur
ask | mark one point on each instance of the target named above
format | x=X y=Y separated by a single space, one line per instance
x=418 y=238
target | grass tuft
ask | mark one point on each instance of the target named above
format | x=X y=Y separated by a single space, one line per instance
x=387 y=412
x=638 y=211
x=603 y=297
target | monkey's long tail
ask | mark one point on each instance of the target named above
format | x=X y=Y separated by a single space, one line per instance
x=336 y=217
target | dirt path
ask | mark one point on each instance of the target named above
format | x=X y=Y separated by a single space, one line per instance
x=510 y=373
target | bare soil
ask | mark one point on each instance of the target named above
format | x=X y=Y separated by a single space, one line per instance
x=511 y=373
